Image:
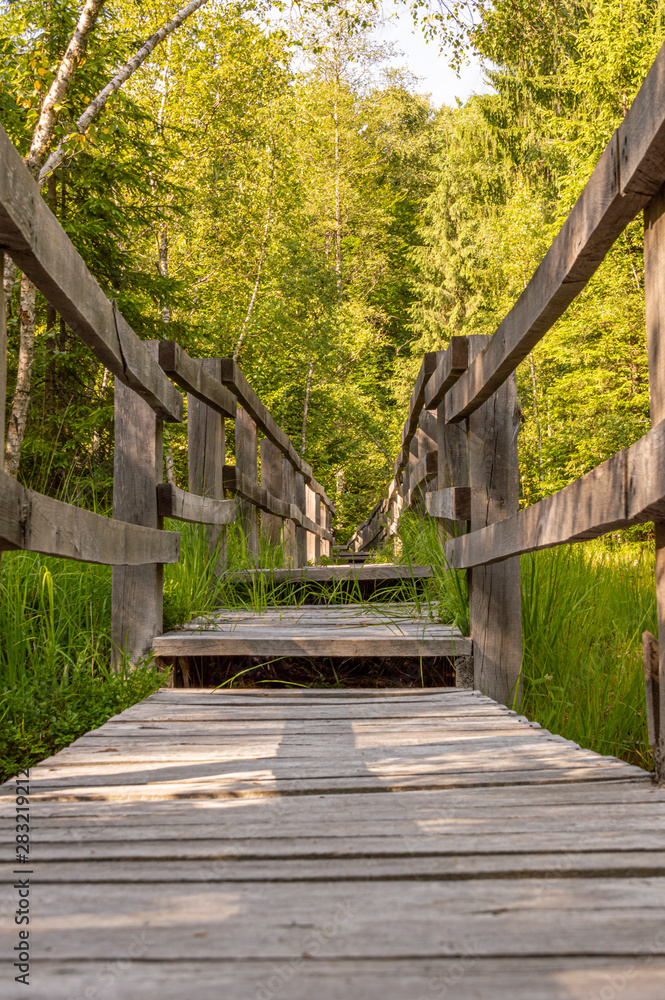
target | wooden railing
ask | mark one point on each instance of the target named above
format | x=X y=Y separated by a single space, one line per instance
x=464 y=410
x=268 y=476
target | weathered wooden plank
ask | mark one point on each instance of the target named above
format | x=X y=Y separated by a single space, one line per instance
x=494 y=591
x=451 y=365
x=654 y=291
x=35 y=523
x=451 y=504
x=471 y=977
x=416 y=404
x=425 y=470
x=301 y=532
x=627 y=175
x=34 y=238
x=137 y=591
x=239 y=642
x=271 y=480
x=3 y=363
x=259 y=496
x=628 y=488
x=236 y=381
x=247 y=464
x=183 y=506
x=289 y=525
x=206 y=451
x=193 y=376
x=324 y=574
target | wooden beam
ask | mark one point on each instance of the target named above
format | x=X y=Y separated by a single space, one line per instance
x=33 y=237
x=494 y=591
x=425 y=470
x=32 y=522
x=301 y=531
x=206 y=448
x=628 y=488
x=246 y=488
x=451 y=504
x=247 y=464
x=190 y=375
x=3 y=361
x=654 y=293
x=627 y=175
x=289 y=525
x=266 y=423
x=183 y=506
x=416 y=404
x=137 y=591
x=451 y=365
x=271 y=479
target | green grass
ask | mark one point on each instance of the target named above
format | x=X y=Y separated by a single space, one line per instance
x=56 y=682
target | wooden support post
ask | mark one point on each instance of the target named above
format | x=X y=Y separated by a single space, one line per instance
x=494 y=591
x=318 y=517
x=310 y=511
x=271 y=480
x=206 y=449
x=137 y=591
x=301 y=533
x=289 y=526
x=247 y=463
x=453 y=465
x=3 y=360
x=654 y=292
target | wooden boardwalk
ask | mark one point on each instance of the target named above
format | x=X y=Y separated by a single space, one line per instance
x=341 y=845
x=338 y=630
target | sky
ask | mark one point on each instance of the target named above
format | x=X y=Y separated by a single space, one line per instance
x=424 y=60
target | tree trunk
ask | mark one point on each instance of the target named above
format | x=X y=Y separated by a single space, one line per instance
x=21 y=401
x=303 y=439
x=9 y=280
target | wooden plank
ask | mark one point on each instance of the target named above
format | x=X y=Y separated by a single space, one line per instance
x=35 y=523
x=271 y=480
x=289 y=525
x=301 y=532
x=325 y=574
x=33 y=237
x=654 y=291
x=451 y=504
x=425 y=470
x=236 y=381
x=628 y=488
x=451 y=365
x=247 y=464
x=310 y=511
x=627 y=175
x=240 y=642
x=3 y=362
x=194 y=377
x=206 y=450
x=471 y=976
x=183 y=506
x=137 y=591
x=494 y=591
x=416 y=403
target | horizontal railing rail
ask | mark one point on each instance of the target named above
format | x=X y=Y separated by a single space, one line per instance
x=269 y=476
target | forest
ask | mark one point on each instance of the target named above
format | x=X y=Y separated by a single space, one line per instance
x=268 y=182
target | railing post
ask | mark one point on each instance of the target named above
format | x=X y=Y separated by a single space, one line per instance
x=271 y=479
x=137 y=591
x=206 y=450
x=247 y=463
x=654 y=292
x=318 y=511
x=453 y=468
x=301 y=533
x=289 y=527
x=310 y=510
x=3 y=360
x=494 y=591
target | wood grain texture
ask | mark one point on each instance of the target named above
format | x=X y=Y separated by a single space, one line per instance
x=325 y=574
x=271 y=481
x=206 y=451
x=34 y=238
x=451 y=365
x=137 y=591
x=198 y=380
x=247 y=464
x=416 y=404
x=176 y=503
x=342 y=844
x=289 y=526
x=628 y=488
x=494 y=591
x=3 y=364
x=451 y=504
